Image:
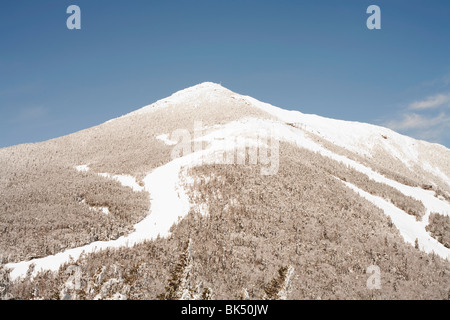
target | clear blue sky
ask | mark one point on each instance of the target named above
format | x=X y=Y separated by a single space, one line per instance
x=313 y=56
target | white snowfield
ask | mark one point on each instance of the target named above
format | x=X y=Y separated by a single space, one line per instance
x=358 y=137
x=170 y=203
x=361 y=138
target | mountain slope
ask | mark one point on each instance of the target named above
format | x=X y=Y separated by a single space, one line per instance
x=323 y=184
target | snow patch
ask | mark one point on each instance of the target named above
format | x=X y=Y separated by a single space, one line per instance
x=104 y=210
x=125 y=180
x=165 y=138
x=82 y=168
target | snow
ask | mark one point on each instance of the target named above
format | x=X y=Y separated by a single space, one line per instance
x=165 y=138
x=436 y=171
x=188 y=95
x=361 y=138
x=104 y=210
x=409 y=228
x=82 y=168
x=431 y=203
x=125 y=180
x=168 y=203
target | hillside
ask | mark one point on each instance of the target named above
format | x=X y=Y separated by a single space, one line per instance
x=254 y=187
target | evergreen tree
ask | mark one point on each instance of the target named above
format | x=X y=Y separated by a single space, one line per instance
x=278 y=288
x=4 y=283
x=179 y=287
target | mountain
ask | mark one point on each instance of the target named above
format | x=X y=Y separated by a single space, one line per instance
x=236 y=192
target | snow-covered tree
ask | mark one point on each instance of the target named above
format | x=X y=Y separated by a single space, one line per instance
x=243 y=295
x=4 y=284
x=180 y=285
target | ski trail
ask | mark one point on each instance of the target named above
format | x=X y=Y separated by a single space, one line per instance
x=299 y=138
x=169 y=203
x=409 y=228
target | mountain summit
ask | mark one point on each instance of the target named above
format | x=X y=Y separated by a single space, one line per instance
x=246 y=188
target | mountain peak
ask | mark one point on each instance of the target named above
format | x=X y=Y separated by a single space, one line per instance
x=204 y=89
x=207 y=84
x=201 y=87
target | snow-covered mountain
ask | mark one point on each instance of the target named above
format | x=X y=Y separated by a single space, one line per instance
x=253 y=186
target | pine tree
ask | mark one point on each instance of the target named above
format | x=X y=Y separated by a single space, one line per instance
x=4 y=283
x=279 y=286
x=179 y=287
x=207 y=294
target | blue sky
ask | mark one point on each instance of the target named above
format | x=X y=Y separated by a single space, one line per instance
x=313 y=56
